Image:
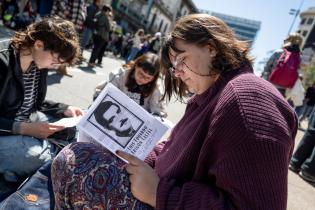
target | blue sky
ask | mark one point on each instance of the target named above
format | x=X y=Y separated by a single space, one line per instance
x=273 y=15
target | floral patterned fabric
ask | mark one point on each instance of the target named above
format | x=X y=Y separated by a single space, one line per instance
x=87 y=176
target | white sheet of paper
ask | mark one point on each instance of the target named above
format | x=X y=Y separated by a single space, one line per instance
x=113 y=115
x=68 y=121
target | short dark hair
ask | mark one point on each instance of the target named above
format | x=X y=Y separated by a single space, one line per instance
x=58 y=35
x=106 y=8
x=98 y=114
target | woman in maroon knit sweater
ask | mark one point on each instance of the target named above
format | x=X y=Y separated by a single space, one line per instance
x=230 y=150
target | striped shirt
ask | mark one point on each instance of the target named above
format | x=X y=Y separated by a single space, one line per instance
x=31 y=81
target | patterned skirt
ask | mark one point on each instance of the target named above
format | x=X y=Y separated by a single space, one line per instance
x=87 y=176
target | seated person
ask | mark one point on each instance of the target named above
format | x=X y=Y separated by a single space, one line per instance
x=24 y=112
x=139 y=81
x=230 y=150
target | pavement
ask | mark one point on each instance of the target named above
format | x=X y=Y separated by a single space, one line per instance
x=77 y=90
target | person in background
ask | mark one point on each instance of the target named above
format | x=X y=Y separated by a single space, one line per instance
x=303 y=159
x=101 y=34
x=72 y=10
x=139 y=81
x=110 y=32
x=24 y=112
x=9 y=9
x=230 y=150
x=136 y=42
x=309 y=103
x=292 y=44
x=45 y=7
x=89 y=24
x=155 y=43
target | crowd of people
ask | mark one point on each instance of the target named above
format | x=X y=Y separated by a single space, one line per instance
x=93 y=20
x=231 y=149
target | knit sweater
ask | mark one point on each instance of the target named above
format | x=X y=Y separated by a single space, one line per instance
x=230 y=150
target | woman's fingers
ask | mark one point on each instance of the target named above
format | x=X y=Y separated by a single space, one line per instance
x=130 y=158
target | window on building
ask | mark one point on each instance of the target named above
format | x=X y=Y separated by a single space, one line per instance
x=303 y=21
x=304 y=33
x=310 y=21
x=165 y=27
x=161 y=24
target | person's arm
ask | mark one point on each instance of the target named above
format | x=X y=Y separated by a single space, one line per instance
x=253 y=177
x=150 y=159
x=252 y=140
x=53 y=108
x=115 y=77
x=157 y=106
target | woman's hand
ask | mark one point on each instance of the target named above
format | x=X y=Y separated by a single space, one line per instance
x=39 y=130
x=144 y=181
x=73 y=111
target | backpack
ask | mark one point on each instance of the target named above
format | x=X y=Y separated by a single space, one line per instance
x=285 y=73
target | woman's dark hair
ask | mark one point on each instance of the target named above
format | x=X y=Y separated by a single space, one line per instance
x=58 y=35
x=106 y=8
x=203 y=29
x=99 y=112
x=150 y=64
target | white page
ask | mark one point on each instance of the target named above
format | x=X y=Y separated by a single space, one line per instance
x=118 y=123
x=68 y=121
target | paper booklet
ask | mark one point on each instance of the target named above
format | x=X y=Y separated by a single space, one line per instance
x=118 y=123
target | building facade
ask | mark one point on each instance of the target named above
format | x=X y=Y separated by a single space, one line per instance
x=307 y=30
x=245 y=29
x=151 y=15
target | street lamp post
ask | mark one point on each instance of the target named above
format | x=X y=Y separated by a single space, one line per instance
x=295 y=12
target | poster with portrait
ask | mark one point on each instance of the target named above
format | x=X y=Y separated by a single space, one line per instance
x=118 y=123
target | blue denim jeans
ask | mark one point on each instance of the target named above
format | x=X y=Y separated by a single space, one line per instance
x=307 y=110
x=36 y=193
x=132 y=55
x=21 y=156
x=304 y=156
x=86 y=37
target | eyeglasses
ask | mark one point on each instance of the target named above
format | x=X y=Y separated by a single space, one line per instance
x=174 y=69
x=143 y=75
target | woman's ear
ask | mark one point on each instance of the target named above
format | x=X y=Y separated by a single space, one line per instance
x=212 y=50
x=39 y=45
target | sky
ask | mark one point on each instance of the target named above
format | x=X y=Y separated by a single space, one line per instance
x=273 y=15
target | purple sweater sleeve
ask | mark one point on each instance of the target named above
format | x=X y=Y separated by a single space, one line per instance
x=150 y=159
x=243 y=183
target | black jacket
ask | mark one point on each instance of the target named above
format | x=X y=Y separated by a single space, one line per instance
x=12 y=91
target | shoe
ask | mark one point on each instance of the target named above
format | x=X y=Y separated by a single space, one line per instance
x=294 y=168
x=306 y=176
x=91 y=64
